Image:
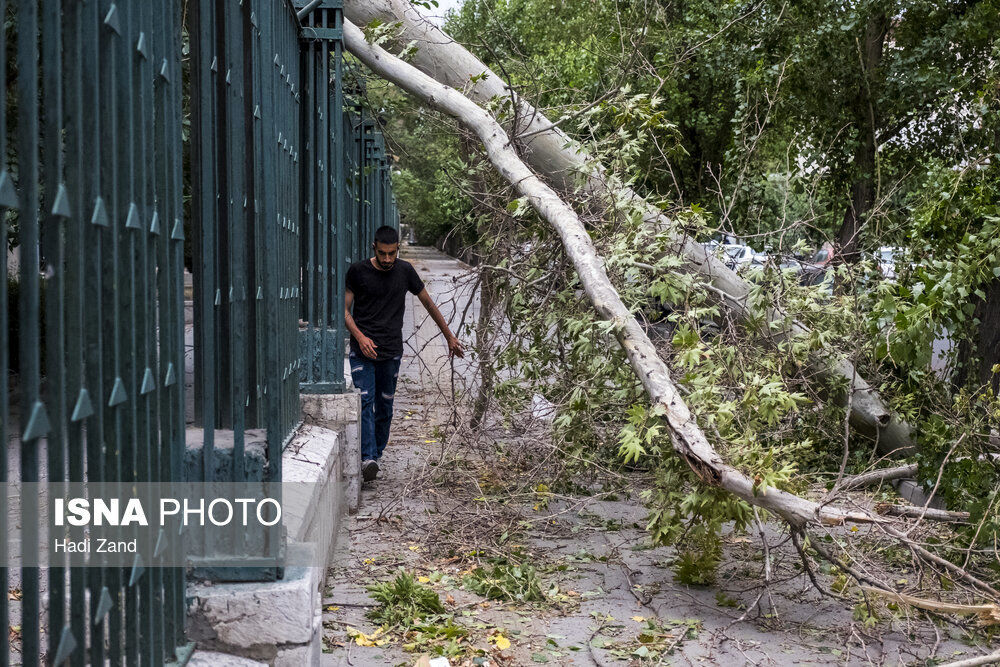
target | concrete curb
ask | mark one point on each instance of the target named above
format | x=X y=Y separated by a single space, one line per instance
x=279 y=623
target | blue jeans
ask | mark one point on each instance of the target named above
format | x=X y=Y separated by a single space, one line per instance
x=376 y=380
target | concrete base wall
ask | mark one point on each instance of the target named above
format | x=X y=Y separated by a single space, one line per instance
x=278 y=623
x=342 y=413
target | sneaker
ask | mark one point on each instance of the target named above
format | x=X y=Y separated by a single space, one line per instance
x=369 y=470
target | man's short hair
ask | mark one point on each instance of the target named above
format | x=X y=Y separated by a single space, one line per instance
x=386 y=234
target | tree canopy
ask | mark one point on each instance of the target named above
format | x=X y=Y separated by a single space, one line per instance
x=862 y=125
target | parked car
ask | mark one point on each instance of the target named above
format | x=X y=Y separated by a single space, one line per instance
x=735 y=255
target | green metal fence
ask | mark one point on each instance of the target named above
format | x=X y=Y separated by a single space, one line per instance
x=91 y=199
x=326 y=203
x=287 y=184
x=347 y=196
x=245 y=148
x=286 y=193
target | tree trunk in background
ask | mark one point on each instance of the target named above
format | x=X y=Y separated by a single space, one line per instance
x=484 y=344
x=868 y=122
x=976 y=358
x=989 y=335
x=487 y=288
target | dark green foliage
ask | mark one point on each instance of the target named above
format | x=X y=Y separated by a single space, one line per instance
x=430 y=176
x=506 y=581
x=403 y=602
x=13 y=324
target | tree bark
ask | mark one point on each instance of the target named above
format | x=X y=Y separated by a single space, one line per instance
x=687 y=438
x=487 y=295
x=867 y=120
x=977 y=357
x=567 y=166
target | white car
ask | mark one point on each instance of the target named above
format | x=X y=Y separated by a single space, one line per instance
x=891 y=260
x=740 y=256
x=735 y=255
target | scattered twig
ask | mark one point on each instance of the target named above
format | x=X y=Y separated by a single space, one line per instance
x=988 y=613
x=876 y=476
x=975 y=662
x=922 y=513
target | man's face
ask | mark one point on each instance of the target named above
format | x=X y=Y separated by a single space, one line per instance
x=385 y=254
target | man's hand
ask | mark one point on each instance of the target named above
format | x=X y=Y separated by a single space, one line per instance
x=455 y=348
x=368 y=346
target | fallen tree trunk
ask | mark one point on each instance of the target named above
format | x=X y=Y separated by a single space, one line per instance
x=550 y=152
x=687 y=438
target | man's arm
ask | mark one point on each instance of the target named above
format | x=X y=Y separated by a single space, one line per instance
x=454 y=347
x=366 y=344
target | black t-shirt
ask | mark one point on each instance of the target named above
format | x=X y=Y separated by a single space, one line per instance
x=379 y=302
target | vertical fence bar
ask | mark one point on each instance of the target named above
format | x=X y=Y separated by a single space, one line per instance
x=172 y=367
x=35 y=426
x=141 y=578
x=203 y=209
x=76 y=176
x=321 y=370
x=162 y=594
x=55 y=210
x=176 y=370
x=92 y=284
x=8 y=202
x=129 y=87
x=339 y=265
x=113 y=389
x=251 y=111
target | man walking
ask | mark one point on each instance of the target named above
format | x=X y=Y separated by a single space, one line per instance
x=376 y=293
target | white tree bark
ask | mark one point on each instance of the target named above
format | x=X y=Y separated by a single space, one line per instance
x=688 y=439
x=550 y=152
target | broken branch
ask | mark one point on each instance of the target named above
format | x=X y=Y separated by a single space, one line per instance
x=876 y=476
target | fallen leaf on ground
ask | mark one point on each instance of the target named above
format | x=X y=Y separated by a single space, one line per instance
x=500 y=641
x=374 y=639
